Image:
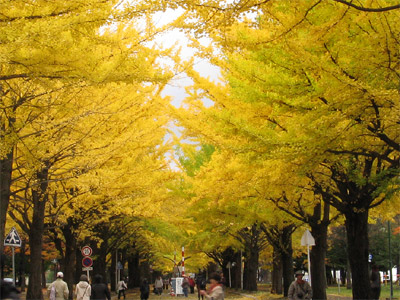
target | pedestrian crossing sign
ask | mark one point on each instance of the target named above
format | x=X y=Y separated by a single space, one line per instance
x=13 y=239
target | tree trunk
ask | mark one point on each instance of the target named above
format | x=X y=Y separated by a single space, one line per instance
x=100 y=264
x=317 y=257
x=133 y=270
x=346 y=279
x=70 y=263
x=39 y=199
x=277 y=272
x=5 y=185
x=22 y=266
x=250 y=269
x=78 y=270
x=34 y=291
x=112 y=272
x=281 y=241
x=357 y=243
x=287 y=259
x=235 y=271
x=144 y=270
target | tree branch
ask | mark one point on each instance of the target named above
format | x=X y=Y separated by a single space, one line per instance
x=368 y=9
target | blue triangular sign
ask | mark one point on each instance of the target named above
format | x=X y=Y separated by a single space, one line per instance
x=13 y=239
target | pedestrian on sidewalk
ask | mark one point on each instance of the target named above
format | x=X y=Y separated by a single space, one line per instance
x=299 y=289
x=200 y=285
x=185 y=285
x=121 y=287
x=58 y=290
x=166 y=283
x=191 y=284
x=375 y=282
x=215 y=291
x=158 y=285
x=144 y=290
x=83 y=289
x=100 y=290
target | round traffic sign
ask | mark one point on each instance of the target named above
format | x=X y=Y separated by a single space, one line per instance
x=87 y=262
x=86 y=251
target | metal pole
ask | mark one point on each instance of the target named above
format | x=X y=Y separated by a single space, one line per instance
x=13 y=264
x=230 y=276
x=390 y=260
x=309 y=268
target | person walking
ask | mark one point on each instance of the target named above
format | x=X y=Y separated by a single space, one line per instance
x=216 y=291
x=144 y=290
x=375 y=282
x=200 y=285
x=158 y=285
x=166 y=283
x=121 y=287
x=83 y=290
x=185 y=286
x=299 y=289
x=58 y=289
x=100 y=290
x=192 y=284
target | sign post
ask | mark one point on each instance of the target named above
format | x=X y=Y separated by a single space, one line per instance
x=87 y=261
x=13 y=240
x=307 y=239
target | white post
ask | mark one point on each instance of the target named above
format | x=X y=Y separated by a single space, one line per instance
x=13 y=264
x=309 y=268
x=308 y=240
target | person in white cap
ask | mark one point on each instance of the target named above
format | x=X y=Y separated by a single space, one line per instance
x=58 y=290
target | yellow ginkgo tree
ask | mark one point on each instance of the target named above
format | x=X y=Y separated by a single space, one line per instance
x=296 y=89
x=58 y=62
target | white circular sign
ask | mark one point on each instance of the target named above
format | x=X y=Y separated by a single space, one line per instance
x=86 y=251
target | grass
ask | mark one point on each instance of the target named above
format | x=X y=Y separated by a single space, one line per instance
x=385 y=291
x=344 y=292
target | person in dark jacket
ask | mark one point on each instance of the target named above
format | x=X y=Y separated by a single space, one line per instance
x=375 y=282
x=100 y=290
x=201 y=285
x=185 y=285
x=144 y=290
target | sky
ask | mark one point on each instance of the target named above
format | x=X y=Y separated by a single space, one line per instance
x=176 y=88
